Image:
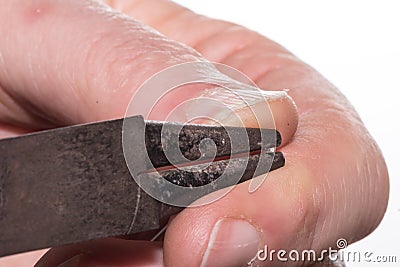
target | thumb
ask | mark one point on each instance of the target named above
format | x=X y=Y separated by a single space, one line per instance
x=80 y=61
x=65 y=62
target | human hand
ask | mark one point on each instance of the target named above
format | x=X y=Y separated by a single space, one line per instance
x=68 y=62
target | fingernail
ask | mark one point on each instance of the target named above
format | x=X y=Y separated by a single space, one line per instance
x=72 y=262
x=232 y=242
x=236 y=106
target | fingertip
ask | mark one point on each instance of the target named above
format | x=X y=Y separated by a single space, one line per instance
x=276 y=112
x=285 y=115
x=186 y=237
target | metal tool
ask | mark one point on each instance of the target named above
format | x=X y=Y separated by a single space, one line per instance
x=74 y=184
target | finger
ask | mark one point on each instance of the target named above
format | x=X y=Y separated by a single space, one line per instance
x=335 y=183
x=80 y=61
x=85 y=69
x=106 y=252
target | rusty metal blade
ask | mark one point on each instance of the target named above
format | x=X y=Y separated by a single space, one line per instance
x=68 y=185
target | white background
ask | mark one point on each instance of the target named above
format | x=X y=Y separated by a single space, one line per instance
x=356 y=45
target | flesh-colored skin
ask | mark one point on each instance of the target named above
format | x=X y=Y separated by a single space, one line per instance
x=56 y=71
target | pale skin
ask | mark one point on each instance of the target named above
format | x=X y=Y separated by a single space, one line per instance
x=70 y=62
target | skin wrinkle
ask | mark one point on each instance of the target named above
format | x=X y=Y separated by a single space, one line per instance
x=231 y=46
x=265 y=69
x=341 y=196
x=346 y=208
x=377 y=193
x=262 y=71
x=275 y=66
x=197 y=38
x=175 y=14
x=228 y=52
x=364 y=173
x=3 y=69
x=202 y=26
x=7 y=131
x=315 y=219
x=139 y=5
x=368 y=170
x=308 y=224
x=36 y=115
x=26 y=113
x=378 y=174
x=334 y=207
x=324 y=222
x=371 y=170
x=316 y=203
x=6 y=102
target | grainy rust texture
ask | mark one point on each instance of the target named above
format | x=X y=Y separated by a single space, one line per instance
x=202 y=174
x=187 y=138
x=218 y=175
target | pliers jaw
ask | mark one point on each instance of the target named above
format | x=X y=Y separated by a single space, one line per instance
x=75 y=184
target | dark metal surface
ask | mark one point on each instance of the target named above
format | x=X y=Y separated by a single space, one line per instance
x=72 y=184
x=202 y=174
x=68 y=185
x=234 y=171
x=191 y=136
